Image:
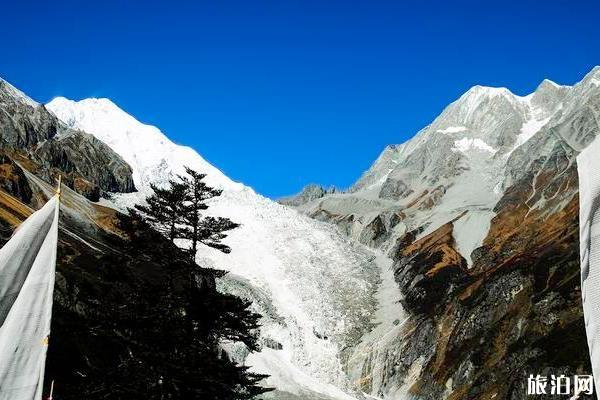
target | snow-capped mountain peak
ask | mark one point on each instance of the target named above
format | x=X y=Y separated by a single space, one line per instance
x=16 y=93
x=593 y=77
x=470 y=148
x=488 y=91
x=152 y=156
x=548 y=82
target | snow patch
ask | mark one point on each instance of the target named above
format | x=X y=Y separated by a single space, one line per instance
x=452 y=129
x=470 y=230
x=466 y=145
x=528 y=129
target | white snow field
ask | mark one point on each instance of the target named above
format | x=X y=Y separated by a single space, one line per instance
x=314 y=286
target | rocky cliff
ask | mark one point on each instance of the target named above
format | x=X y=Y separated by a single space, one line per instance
x=31 y=133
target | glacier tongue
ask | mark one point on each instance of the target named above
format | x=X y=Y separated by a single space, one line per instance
x=315 y=288
x=320 y=284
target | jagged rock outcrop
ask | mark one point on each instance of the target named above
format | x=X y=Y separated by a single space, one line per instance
x=28 y=129
x=79 y=153
x=13 y=180
x=428 y=270
x=309 y=193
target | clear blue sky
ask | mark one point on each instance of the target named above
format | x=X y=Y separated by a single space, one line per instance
x=279 y=94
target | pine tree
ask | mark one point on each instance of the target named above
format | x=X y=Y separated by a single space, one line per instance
x=199 y=317
x=208 y=230
x=164 y=209
x=166 y=359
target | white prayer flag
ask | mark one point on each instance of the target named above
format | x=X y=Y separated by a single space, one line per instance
x=588 y=166
x=27 y=267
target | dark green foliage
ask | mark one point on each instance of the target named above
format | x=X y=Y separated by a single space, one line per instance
x=198 y=229
x=137 y=330
x=164 y=209
x=176 y=212
x=205 y=315
x=224 y=316
x=211 y=230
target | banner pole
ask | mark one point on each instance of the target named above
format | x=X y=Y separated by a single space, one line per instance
x=58 y=189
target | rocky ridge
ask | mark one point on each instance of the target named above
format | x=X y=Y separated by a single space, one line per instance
x=307 y=194
x=479 y=212
x=31 y=133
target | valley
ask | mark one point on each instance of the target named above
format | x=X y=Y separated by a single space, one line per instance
x=448 y=270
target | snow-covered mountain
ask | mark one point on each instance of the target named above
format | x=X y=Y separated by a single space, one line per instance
x=315 y=287
x=28 y=127
x=472 y=277
x=479 y=213
x=458 y=167
x=152 y=156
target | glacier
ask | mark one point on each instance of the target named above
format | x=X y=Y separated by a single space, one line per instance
x=315 y=287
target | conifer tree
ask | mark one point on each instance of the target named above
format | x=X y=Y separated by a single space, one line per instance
x=188 y=363
x=165 y=208
x=208 y=230
x=203 y=317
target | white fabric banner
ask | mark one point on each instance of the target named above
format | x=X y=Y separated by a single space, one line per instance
x=588 y=166
x=27 y=267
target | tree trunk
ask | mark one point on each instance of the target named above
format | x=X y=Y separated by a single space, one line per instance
x=172 y=234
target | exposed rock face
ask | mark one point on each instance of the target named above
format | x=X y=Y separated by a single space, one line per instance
x=379 y=230
x=82 y=154
x=23 y=122
x=484 y=243
x=428 y=270
x=394 y=189
x=13 y=180
x=27 y=128
x=309 y=193
x=517 y=310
